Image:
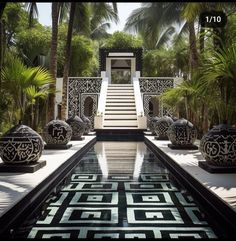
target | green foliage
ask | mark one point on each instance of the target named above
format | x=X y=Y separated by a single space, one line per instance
x=34 y=42
x=158 y=63
x=24 y=85
x=122 y=40
x=15 y=17
x=219 y=75
x=81 y=56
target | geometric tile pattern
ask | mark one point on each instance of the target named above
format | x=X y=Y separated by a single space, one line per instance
x=113 y=207
x=120 y=206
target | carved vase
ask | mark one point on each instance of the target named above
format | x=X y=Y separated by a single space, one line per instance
x=182 y=133
x=152 y=122
x=77 y=126
x=21 y=144
x=218 y=146
x=161 y=126
x=88 y=124
x=57 y=132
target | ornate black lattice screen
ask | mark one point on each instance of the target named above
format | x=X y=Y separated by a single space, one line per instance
x=78 y=90
x=151 y=87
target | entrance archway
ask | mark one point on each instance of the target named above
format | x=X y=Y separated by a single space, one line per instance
x=121 y=71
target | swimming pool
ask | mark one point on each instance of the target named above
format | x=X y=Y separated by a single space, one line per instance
x=121 y=190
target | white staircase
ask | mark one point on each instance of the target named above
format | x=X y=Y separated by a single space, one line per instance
x=120 y=109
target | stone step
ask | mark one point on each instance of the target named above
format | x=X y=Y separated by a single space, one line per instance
x=120 y=117
x=122 y=108
x=117 y=112
x=120 y=85
x=120 y=94
x=125 y=97
x=120 y=104
x=120 y=91
x=120 y=100
x=120 y=123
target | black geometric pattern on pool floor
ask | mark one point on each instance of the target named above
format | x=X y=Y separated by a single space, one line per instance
x=92 y=206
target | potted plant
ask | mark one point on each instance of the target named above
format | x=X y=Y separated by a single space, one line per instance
x=218 y=146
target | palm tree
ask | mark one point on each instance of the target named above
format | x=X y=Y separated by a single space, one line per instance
x=25 y=85
x=2 y=7
x=101 y=14
x=67 y=60
x=56 y=7
x=33 y=12
x=219 y=75
x=152 y=20
x=81 y=19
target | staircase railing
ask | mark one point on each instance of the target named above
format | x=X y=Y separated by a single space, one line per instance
x=141 y=119
x=99 y=118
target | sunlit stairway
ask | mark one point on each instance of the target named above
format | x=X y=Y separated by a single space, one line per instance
x=120 y=110
x=120 y=158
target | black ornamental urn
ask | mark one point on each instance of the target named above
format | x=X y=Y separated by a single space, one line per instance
x=57 y=133
x=218 y=147
x=77 y=126
x=182 y=135
x=161 y=126
x=21 y=145
x=88 y=124
x=152 y=122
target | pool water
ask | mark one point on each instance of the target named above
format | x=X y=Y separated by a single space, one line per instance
x=121 y=190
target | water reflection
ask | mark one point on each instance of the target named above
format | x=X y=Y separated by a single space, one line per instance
x=130 y=158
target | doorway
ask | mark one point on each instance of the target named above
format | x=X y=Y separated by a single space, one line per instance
x=121 y=71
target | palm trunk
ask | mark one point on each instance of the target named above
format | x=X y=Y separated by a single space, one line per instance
x=53 y=59
x=186 y=107
x=67 y=61
x=193 y=58
x=2 y=7
x=2 y=47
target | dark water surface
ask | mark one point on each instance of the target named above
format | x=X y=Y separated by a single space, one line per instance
x=121 y=190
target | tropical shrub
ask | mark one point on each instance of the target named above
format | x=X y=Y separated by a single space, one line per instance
x=25 y=85
x=122 y=40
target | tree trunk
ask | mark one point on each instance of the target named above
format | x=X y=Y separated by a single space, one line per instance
x=67 y=61
x=193 y=54
x=53 y=59
x=2 y=7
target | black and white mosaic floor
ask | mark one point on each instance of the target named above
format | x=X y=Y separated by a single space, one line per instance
x=149 y=205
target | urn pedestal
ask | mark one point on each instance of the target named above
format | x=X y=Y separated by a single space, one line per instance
x=218 y=147
x=77 y=126
x=57 y=134
x=161 y=126
x=88 y=125
x=20 y=150
x=151 y=124
x=182 y=135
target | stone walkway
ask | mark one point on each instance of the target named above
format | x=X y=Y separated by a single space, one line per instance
x=222 y=184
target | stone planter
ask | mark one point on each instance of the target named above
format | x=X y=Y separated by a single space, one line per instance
x=77 y=126
x=88 y=124
x=218 y=148
x=57 y=134
x=161 y=127
x=182 y=135
x=21 y=145
x=151 y=124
